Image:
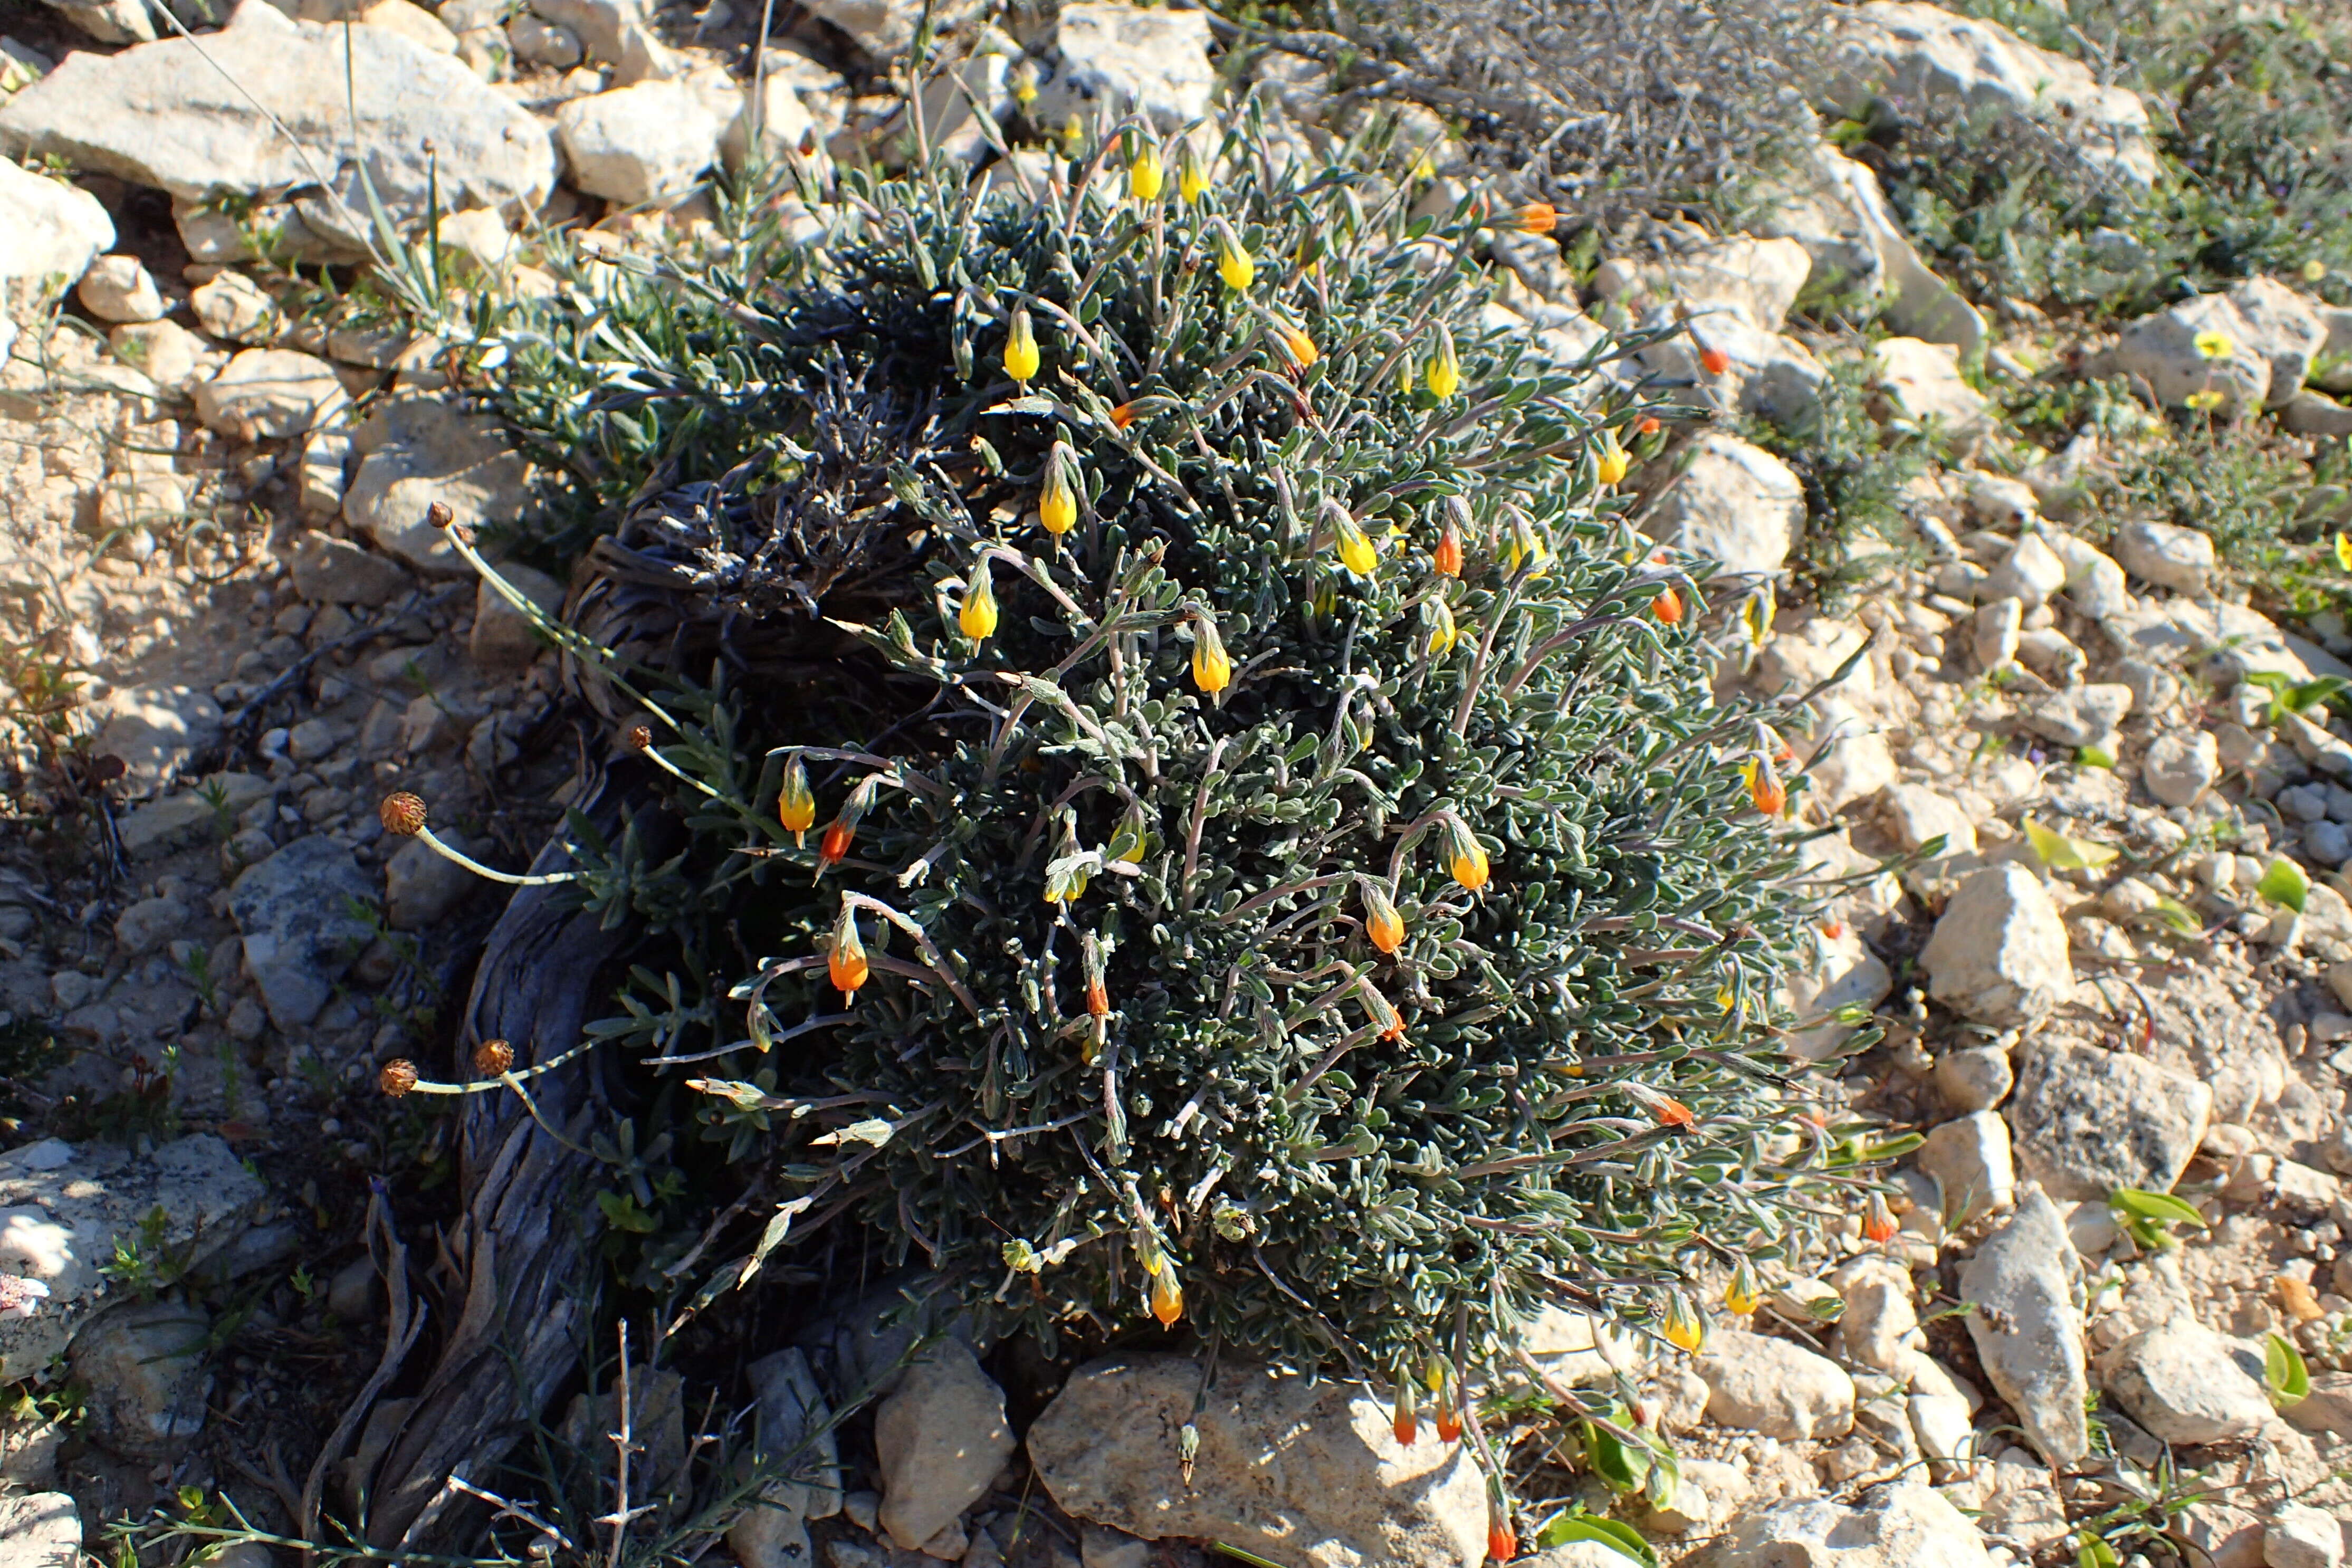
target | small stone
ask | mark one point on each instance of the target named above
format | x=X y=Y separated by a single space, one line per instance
x=233 y=307
x=165 y=352
x=1735 y=503
x=2087 y=1120
x=940 y=1439
x=1998 y=952
x=539 y=42
x=1918 y=816
x=2170 y=556
x=2028 y=1327
x=1120 y=58
x=417 y=450
x=1996 y=633
x=41 y=1530
x=143 y=1363
x=270 y=393
x=2185 y=1383
x=1976 y=1078
x=421 y=887
x=120 y=289
x=2032 y=573
x=2086 y=716
x=1902 y=1524
x=1775 y=1387
x=293 y=909
x=150 y=923
x=414 y=23
x=639 y=144
x=2326 y=843
x=2302 y=1537
x=2162 y=348
x=331 y=571
x=2179 y=768
x=1970 y=1158
x=1921 y=385
x=504 y=638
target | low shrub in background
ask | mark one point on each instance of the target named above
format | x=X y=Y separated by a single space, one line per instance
x=1272 y=863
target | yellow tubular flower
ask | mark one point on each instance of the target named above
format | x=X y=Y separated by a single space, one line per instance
x=1443 y=372
x=1612 y=460
x=978 y=618
x=795 y=806
x=1021 y=358
x=845 y=965
x=1023 y=82
x=1144 y=177
x=1382 y=923
x=1234 y=263
x=1058 y=504
x=1167 y=1295
x=1466 y=858
x=1684 y=1329
x=1212 y=668
x=1445 y=633
x=1191 y=174
x=1743 y=1295
x=1356 y=551
x=1297 y=344
x=2215 y=345
x=1526 y=544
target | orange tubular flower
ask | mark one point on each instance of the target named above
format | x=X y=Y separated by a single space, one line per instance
x=843 y=828
x=1764 y=787
x=1648 y=427
x=846 y=963
x=1122 y=416
x=1447 y=556
x=1466 y=858
x=1536 y=217
x=1298 y=345
x=1098 y=994
x=1713 y=360
x=1382 y=1012
x=1167 y=1295
x=1502 y=1543
x=795 y=806
x=1449 y=1424
x=1382 y=923
x=1667 y=606
x=1878 y=1226
x=835 y=843
x=1405 y=1415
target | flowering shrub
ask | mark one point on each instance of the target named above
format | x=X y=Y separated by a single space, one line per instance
x=1273 y=864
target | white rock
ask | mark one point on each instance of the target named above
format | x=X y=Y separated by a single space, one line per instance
x=418 y=450
x=165 y=352
x=143 y=1363
x=2096 y=584
x=784 y=120
x=2162 y=348
x=1977 y=1078
x=1915 y=815
x=1769 y=374
x=2085 y=716
x=330 y=571
x=323 y=475
x=1945 y=67
x=1844 y=973
x=2032 y=573
x=2027 y=1325
x=49 y=234
x=1735 y=503
x=1833 y=207
x=294 y=910
x=1922 y=385
x=2170 y=556
x=2185 y=1383
x=2302 y=1537
x=1998 y=954
x=503 y=637
x=1970 y=1158
x=1850 y=762
x=640 y=143
x=1346 y=1493
x=1577 y=1348
x=41 y=1530
x=1994 y=634
x=2052 y=655
x=415 y=24
x=2309 y=413
x=2336 y=375
x=1756 y=281
x=2283 y=328
x=541 y=42
x=155 y=729
x=161 y=115
x=2086 y=1120
x=1880 y=1327
x=620 y=34
x=266 y=395
x=1775 y=1387
x=21 y=66
x=1128 y=59
x=120 y=289
x=63 y=1209
x=2179 y=768
x=1899 y=1525
x=235 y=307
x=939 y=1438
x=1998 y=501
x=144 y=926
x=796 y=1434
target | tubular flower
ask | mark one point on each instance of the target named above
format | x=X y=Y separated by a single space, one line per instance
x=1212 y=668
x=1466 y=858
x=1764 y=787
x=1684 y=1329
x=1877 y=1221
x=1057 y=503
x=1132 y=839
x=1357 y=551
x=1405 y=1412
x=1713 y=360
x=845 y=964
x=1381 y=921
x=1023 y=82
x=1502 y=1542
x=1381 y=1011
x=1743 y=1295
x=1192 y=173
x=1167 y=1293
x=1536 y=217
x=1526 y=544
x=1298 y=345
x=1442 y=373
x=1122 y=416
x=1144 y=176
x=1756 y=613
x=1612 y=461
x=1021 y=357
x=1444 y=634
x=843 y=828
x=1449 y=1423
x=1090 y=953
x=795 y=806
x=1234 y=263
x=1667 y=606
x=977 y=619
x=1447 y=556
x=1647 y=428
x=1067 y=874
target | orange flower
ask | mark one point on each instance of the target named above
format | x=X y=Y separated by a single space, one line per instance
x=1834 y=930
x=835 y=843
x=1713 y=360
x=1405 y=1415
x=1447 y=556
x=842 y=828
x=846 y=963
x=1381 y=921
x=1502 y=1545
x=1764 y=787
x=1466 y=858
x=1379 y=1010
x=1449 y=1424
x=1877 y=1221
x=1122 y=416
x=1166 y=1294
x=1536 y=217
x=1667 y=606
x=1648 y=427
x=795 y=806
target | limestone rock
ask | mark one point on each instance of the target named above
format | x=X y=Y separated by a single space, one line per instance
x=2026 y=1282
x=1344 y=1494
x=267 y=395
x=2170 y=556
x=642 y=143
x=41 y=1530
x=120 y=289
x=294 y=910
x=1766 y=373
x=418 y=450
x=1844 y=973
x=2179 y=768
x=1938 y=66
x=1998 y=953
x=794 y=1433
x=2162 y=348
x=143 y=1363
x=1773 y=1386
x=620 y=34
x=331 y=571
x=165 y=352
x=63 y=1209
x=2298 y=1536
x=2185 y=1383
x=1735 y=503
x=49 y=234
x=884 y=28
x=1976 y=1078
x=940 y=1439
x=504 y=637
x=1917 y=816
x=1833 y=206
x=2088 y=1121
x=1898 y=1525
x=156 y=730
x=1921 y=385
x=1128 y=59
x=1970 y=1158
x=2283 y=328
x=415 y=24
x=176 y=114
x=233 y=307
x=2309 y=413
x=1756 y=281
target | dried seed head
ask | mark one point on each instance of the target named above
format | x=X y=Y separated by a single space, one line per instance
x=639 y=737
x=439 y=515
x=492 y=1057
x=402 y=814
x=398 y=1077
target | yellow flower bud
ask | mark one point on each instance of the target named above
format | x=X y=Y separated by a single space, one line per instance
x=1143 y=175
x=1612 y=460
x=1023 y=82
x=978 y=618
x=1684 y=1327
x=1192 y=172
x=1234 y=263
x=1445 y=633
x=1212 y=668
x=845 y=964
x=1166 y=1294
x=1058 y=505
x=795 y=806
x=1357 y=551
x=1743 y=1295
x=1443 y=371
x=1021 y=357
x=1466 y=858
x=1297 y=344
x=1382 y=923
x=1526 y=544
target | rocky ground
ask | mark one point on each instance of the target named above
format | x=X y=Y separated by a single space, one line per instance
x=2117 y=953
